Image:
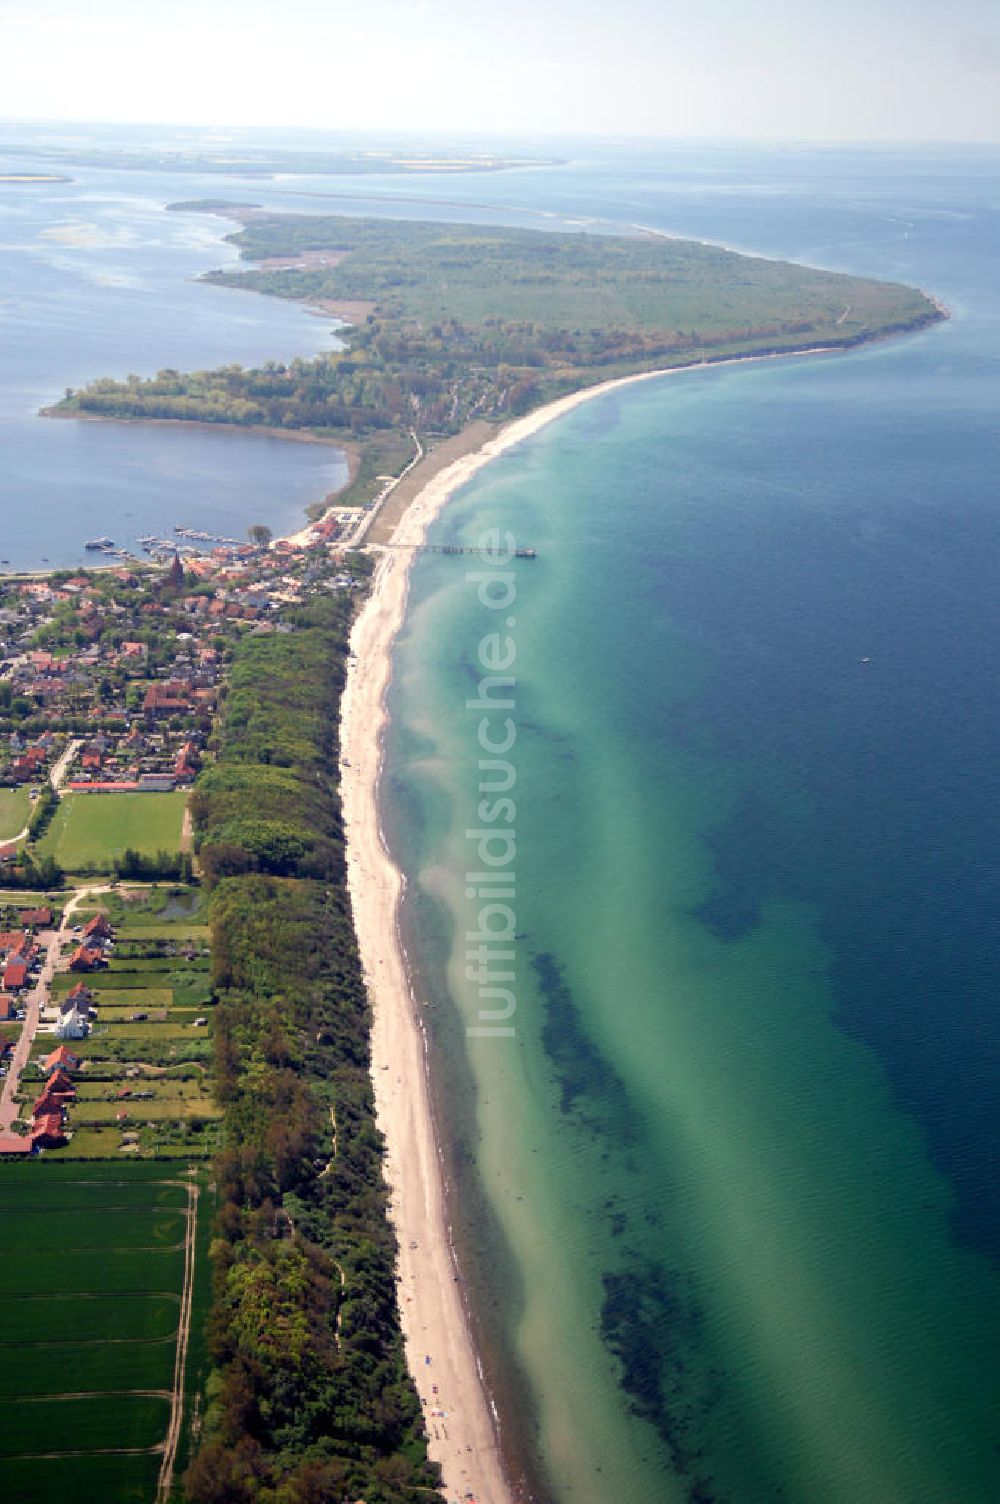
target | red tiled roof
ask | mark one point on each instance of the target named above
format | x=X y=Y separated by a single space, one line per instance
x=36 y=918
x=84 y=958
x=50 y=1127
x=61 y=1059
x=15 y=975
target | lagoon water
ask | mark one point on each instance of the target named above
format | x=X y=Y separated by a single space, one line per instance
x=727 y=1201
x=98 y=282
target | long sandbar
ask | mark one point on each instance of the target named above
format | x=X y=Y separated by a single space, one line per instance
x=462 y=1423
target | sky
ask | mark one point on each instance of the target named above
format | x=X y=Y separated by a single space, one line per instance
x=873 y=70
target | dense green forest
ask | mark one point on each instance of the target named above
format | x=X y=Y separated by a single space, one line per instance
x=591 y=288
x=309 y=1399
x=456 y=322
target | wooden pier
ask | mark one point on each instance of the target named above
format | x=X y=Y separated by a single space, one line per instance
x=457 y=548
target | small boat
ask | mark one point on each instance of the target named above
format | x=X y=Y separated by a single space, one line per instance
x=99 y=543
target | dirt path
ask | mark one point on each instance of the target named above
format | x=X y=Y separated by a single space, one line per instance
x=329 y=1164
x=166 y=1478
x=95 y=1394
x=91 y=1452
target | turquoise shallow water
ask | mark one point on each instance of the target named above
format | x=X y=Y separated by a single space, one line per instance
x=727 y=1199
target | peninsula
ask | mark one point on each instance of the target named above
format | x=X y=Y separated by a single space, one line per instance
x=455 y=324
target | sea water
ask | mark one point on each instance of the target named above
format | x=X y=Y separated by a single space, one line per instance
x=726 y=1198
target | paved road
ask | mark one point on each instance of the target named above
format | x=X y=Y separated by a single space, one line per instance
x=57 y=778
x=36 y=999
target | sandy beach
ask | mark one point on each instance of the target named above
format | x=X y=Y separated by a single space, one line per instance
x=461 y=1423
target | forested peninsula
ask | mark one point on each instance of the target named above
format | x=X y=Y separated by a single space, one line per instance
x=453 y=323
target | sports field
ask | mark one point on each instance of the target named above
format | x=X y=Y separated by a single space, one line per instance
x=102 y=1265
x=89 y=830
x=14 y=810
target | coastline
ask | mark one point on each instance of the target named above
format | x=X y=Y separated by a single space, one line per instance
x=262 y=430
x=464 y=1434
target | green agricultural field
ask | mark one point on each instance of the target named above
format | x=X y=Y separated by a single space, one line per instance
x=87 y=1350
x=127 y=1272
x=33 y=1427
x=14 y=809
x=25 y=1188
x=85 y=1480
x=85 y=1367
x=89 y=830
x=106 y=1229
x=46 y=1318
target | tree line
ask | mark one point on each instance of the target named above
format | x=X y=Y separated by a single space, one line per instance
x=309 y=1399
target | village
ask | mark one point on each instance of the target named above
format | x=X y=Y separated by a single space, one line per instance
x=104 y=653
x=110 y=683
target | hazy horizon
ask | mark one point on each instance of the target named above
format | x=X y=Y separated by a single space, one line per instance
x=876 y=72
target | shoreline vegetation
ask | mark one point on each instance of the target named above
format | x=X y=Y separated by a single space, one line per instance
x=475 y=339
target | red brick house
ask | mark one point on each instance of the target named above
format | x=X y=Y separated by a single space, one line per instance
x=61 y=1059
x=60 y=1085
x=36 y=919
x=48 y=1132
x=98 y=928
x=47 y=1105
x=86 y=959
x=15 y=976
x=169 y=698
